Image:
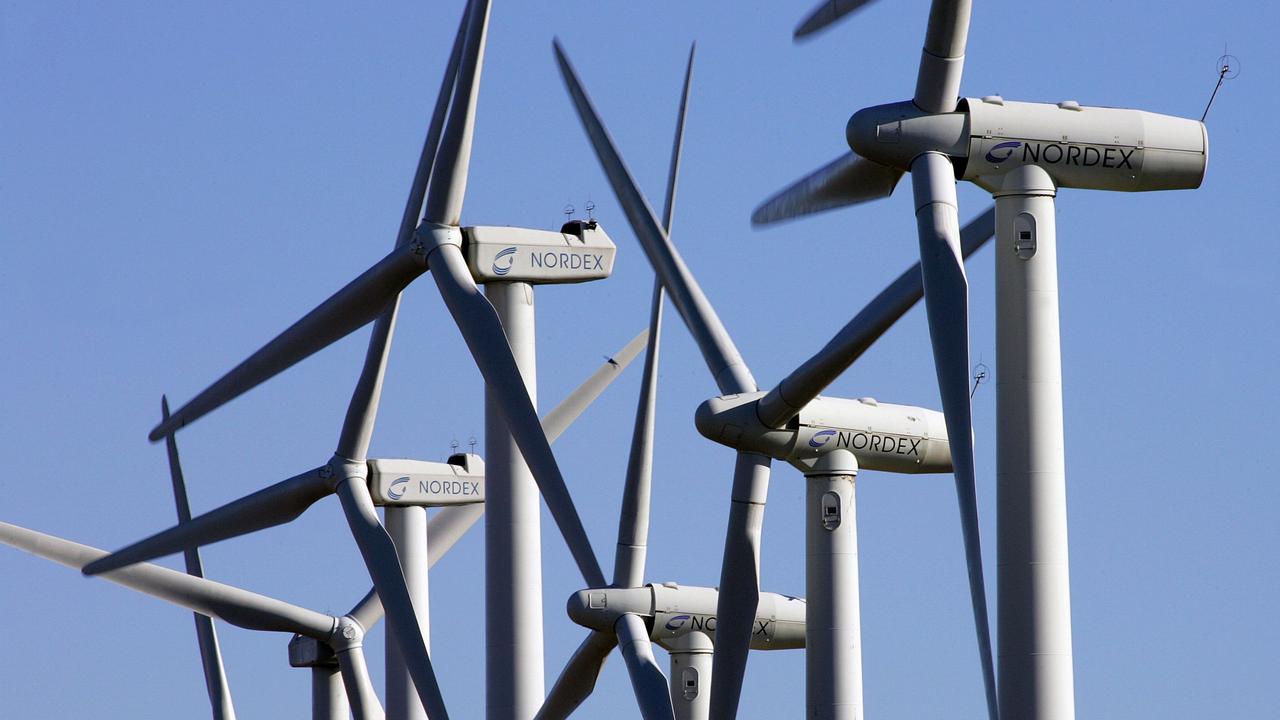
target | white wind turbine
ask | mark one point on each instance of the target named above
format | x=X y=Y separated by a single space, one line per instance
x=1022 y=153
x=818 y=435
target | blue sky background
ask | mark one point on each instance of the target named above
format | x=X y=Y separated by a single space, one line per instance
x=180 y=181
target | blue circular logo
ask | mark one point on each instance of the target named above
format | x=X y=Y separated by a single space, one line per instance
x=677 y=622
x=398 y=486
x=1002 y=151
x=820 y=438
x=503 y=261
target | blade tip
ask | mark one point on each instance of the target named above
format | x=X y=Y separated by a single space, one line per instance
x=762 y=216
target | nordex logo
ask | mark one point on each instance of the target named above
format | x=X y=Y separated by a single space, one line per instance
x=1003 y=151
x=677 y=622
x=820 y=438
x=397 y=488
x=503 y=261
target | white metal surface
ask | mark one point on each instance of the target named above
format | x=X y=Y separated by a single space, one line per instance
x=833 y=628
x=1033 y=588
x=581 y=252
x=691 y=676
x=883 y=436
x=1082 y=146
x=407 y=526
x=328 y=697
x=460 y=481
x=514 y=673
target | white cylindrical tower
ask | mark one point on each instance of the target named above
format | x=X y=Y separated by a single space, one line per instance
x=833 y=629
x=691 y=676
x=407 y=526
x=514 y=674
x=1033 y=587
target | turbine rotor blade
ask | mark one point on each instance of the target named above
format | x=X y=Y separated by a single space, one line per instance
x=453 y=159
x=848 y=180
x=383 y=563
x=343 y=313
x=826 y=14
x=362 y=411
x=562 y=416
x=447 y=526
x=719 y=352
x=239 y=607
x=947 y=303
x=361 y=696
x=215 y=674
x=647 y=679
x=368 y=612
x=271 y=506
x=815 y=374
x=739 y=593
x=633 y=521
x=431 y=144
x=677 y=146
x=488 y=344
x=942 y=59
x=578 y=678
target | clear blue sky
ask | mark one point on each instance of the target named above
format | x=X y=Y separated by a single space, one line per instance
x=179 y=182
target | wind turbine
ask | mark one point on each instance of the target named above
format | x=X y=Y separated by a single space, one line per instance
x=1022 y=153
x=435 y=245
x=792 y=422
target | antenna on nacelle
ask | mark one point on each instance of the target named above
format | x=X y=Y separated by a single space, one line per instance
x=980 y=372
x=1228 y=69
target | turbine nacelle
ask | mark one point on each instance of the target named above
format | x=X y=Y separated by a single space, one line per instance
x=580 y=252
x=882 y=436
x=1095 y=148
x=460 y=481
x=673 y=611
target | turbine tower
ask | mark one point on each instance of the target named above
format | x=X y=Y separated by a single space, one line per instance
x=1022 y=153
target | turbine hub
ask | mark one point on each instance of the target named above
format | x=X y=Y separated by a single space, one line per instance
x=600 y=608
x=897 y=133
